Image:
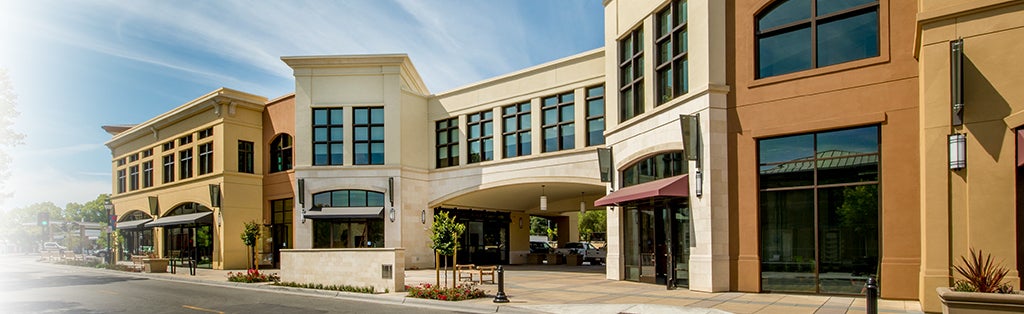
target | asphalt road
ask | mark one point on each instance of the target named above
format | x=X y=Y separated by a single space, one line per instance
x=29 y=287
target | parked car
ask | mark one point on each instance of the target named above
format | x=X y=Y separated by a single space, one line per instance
x=541 y=247
x=590 y=253
x=101 y=253
x=52 y=246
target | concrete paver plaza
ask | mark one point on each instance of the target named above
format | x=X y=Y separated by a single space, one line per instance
x=584 y=289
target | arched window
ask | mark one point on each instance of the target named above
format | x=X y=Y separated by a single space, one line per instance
x=796 y=35
x=281 y=153
x=660 y=166
x=347 y=219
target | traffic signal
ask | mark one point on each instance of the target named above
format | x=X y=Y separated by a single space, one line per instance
x=43 y=218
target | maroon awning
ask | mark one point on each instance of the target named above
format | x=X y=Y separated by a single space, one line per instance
x=678 y=186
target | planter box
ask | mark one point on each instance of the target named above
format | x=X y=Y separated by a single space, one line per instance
x=555 y=259
x=535 y=259
x=574 y=259
x=955 y=302
x=154 y=265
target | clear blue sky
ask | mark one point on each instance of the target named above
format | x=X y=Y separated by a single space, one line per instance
x=77 y=65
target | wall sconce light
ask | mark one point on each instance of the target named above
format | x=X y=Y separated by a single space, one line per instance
x=543 y=199
x=391 y=190
x=957 y=151
x=391 y=214
x=520 y=222
x=956 y=80
x=302 y=192
x=423 y=216
x=215 y=195
x=699 y=189
x=583 y=206
x=604 y=163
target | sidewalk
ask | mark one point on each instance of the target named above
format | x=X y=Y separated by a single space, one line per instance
x=579 y=289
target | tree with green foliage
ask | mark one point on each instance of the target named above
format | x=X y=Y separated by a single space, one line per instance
x=591 y=222
x=444 y=240
x=250 y=235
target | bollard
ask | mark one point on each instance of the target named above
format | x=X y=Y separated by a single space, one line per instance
x=500 y=297
x=871 y=289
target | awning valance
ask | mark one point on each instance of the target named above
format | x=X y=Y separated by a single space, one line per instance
x=196 y=218
x=133 y=224
x=344 y=212
x=678 y=186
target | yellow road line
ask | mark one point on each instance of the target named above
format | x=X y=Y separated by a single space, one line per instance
x=201 y=309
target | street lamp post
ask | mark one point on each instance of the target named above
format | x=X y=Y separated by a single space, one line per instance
x=110 y=228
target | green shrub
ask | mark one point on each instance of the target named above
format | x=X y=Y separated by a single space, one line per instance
x=251 y=276
x=457 y=293
x=319 y=286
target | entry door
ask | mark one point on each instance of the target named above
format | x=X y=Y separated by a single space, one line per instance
x=680 y=231
x=648 y=243
x=281 y=237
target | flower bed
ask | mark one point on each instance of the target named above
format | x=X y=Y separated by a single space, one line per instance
x=457 y=293
x=253 y=275
x=345 y=288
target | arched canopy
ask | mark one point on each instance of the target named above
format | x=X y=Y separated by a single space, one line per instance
x=184 y=214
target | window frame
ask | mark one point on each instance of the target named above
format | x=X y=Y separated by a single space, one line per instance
x=133 y=177
x=330 y=140
x=147 y=174
x=369 y=126
x=168 y=167
x=281 y=153
x=185 y=163
x=205 y=158
x=559 y=105
x=635 y=61
x=121 y=180
x=519 y=115
x=677 y=64
x=812 y=23
x=479 y=120
x=246 y=157
x=593 y=117
x=451 y=132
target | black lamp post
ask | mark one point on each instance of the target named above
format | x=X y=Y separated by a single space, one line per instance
x=110 y=227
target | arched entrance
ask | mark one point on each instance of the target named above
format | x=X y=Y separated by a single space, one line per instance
x=138 y=237
x=188 y=233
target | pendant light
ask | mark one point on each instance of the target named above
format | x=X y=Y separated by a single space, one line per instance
x=583 y=206
x=543 y=199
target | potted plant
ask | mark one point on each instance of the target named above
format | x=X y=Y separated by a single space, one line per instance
x=982 y=290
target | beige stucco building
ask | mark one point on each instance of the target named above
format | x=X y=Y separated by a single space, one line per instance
x=978 y=204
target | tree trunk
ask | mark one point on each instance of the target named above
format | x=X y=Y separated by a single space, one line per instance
x=437 y=268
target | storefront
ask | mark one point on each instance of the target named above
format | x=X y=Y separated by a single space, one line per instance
x=138 y=238
x=485 y=240
x=188 y=234
x=347 y=219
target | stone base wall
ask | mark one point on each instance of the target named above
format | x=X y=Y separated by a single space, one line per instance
x=353 y=267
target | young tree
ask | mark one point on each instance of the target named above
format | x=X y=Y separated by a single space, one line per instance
x=444 y=237
x=250 y=235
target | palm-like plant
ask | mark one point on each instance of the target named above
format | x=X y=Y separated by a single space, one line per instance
x=981 y=274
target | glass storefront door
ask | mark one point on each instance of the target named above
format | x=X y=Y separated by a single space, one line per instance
x=193 y=241
x=656 y=242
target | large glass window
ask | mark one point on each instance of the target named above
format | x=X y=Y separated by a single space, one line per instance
x=185 y=164
x=558 y=122
x=121 y=181
x=246 y=159
x=819 y=211
x=595 y=116
x=796 y=35
x=368 y=128
x=133 y=178
x=205 y=158
x=672 y=64
x=516 y=130
x=631 y=75
x=447 y=146
x=147 y=174
x=328 y=136
x=348 y=232
x=481 y=136
x=168 y=168
x=281 y=153
x=656 y=167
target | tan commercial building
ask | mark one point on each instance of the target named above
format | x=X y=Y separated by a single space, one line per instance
x=971 y=200
x=182 y=180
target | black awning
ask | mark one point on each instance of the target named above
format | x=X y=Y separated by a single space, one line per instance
x=133 y=224
x=197 y=218
x=344 y=212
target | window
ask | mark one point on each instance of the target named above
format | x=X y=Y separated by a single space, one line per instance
x=121 y=162
x=558 y=125
x=246 y=162
x=121 y=181
x=447 y=146
x=672 y=64
x=133 y=157
x=205 y=158
x=819 y=210
x=481 y=136
x=595 y=116
x=185 y=140
x=281 y=212
x=147 y=174
x=168 y=146
x=133 y=178
x=208 y=132
x=631 y=75
x=185 y=168
x=516 y=129
x=147 y=153
x=368 y=134
x=281 y=153
x=348 y=232
x=169 y=168
x=328 y=137
x=660 y=166
x=796 y=35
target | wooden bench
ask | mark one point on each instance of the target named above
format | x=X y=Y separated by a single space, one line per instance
x=464 y=271
x=487 y=271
